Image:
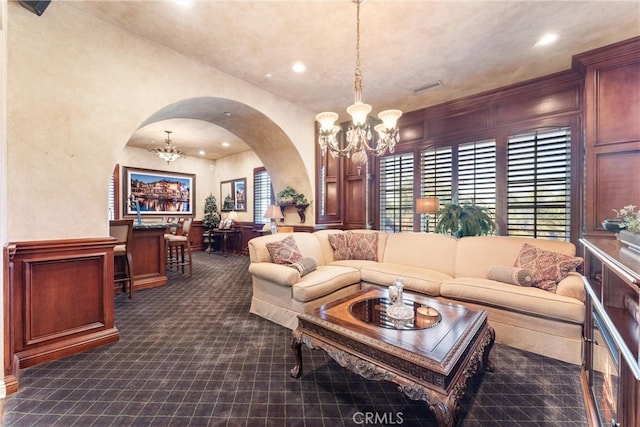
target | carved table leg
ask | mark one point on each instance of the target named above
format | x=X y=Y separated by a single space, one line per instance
x=296 y=346
x=446 y=412
x=488 y=365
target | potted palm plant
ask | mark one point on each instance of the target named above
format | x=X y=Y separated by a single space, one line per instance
x=465 y=220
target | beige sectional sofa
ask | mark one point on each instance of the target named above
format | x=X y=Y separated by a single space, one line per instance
x=435 y=265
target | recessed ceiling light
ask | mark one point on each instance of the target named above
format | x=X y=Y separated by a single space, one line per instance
x=268 y=75
x=185 y=3
x=227 y=113
x=225 y=144
x=299 y=67
x=202 y=153
x=547 y=39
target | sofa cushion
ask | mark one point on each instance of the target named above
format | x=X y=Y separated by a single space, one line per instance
x=475 y=254
x=305 y=265
x=284 y=251
x=547 y=267
x=416 y=279
x=363 y=246
x=339 y=243
x=528 y=300
x=323 y=281
x=512 y=275
x=349 y=245
x=425 y=250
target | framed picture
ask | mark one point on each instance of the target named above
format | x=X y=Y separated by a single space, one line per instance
x=157 y=192
x=233 y=195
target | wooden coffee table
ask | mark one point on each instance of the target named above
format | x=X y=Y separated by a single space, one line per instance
x=429 y=357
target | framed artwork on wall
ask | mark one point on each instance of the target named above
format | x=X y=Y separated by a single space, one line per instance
x=156 y=192
x=233 y=195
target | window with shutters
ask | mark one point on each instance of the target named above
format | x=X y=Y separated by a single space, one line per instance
x=112 y=198
x=437 y=178
x=262 y=195
x=396 y=193
x=467 y=170
x=539 y=184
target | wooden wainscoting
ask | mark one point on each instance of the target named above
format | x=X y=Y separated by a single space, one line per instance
x=58 y=301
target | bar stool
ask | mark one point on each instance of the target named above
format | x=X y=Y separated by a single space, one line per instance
x=181 y=244
x=122 y=230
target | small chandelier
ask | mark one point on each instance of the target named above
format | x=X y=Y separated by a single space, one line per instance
x=169 y=152
x=359 y=135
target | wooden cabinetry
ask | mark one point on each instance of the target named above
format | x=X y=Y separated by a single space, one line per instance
x=612 y=332
x=612 y=123
x=343 y=189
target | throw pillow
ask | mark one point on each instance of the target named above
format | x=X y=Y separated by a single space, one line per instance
x=305 y=265
x=511 y=275
x=363 y=246
x=340 y=246
x=284 y=251
x=547 y=268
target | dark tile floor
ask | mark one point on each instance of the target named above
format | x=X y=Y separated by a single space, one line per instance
x=191 y=354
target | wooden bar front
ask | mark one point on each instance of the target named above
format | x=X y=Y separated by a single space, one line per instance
x=148 y=256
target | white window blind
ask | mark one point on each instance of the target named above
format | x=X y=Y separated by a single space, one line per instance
x=112 y=198
x=262 y=195
x=437 y=178
x=396 y=193
x=477 y=174
x=539 y=184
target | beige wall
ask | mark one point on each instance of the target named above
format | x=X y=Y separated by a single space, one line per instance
x=77 y=90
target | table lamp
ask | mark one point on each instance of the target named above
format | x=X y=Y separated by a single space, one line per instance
x=427 y=205
x=273 y=213
x=233 y=216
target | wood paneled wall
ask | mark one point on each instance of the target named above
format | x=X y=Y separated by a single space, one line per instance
x=612 y=113
x=599 y=98
x=551 y=101
x=58 y=301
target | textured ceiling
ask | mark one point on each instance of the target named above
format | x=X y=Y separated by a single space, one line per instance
x=470 y=47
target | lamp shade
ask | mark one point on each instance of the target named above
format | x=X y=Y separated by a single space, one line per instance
x=273 y=212
x=390 y=118
x=427 y=205
x=233 y=215
x=358 y=112
x=327 y=120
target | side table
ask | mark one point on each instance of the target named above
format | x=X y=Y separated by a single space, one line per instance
x=229 y=237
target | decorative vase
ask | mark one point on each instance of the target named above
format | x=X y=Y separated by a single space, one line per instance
x=630 y=238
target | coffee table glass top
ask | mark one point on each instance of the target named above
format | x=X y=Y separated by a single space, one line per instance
x=380 y=312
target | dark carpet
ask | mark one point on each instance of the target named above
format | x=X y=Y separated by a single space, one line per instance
x=191 y=354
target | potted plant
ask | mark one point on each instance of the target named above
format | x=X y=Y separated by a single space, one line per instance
x=630 y=232
x=465 y=220
x=288 y=196
x=211 y=216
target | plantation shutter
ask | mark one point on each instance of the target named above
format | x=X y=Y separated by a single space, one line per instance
x=437 y=178
x=477 y=174
x=396 y=193
x=539 y=184
x=262 y=195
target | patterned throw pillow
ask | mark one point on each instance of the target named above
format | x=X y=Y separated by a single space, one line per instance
x=547 y=267
x=363 y=246
x=284 y=251
x=511 y=275
x=305 y=265
x=340 y=247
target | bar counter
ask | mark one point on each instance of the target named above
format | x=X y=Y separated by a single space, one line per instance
x=148 y=254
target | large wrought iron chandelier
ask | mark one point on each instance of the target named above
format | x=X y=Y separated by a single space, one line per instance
x=168 y=152
x=360 y=141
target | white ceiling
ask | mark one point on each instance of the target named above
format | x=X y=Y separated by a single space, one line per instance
x=469 y=46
